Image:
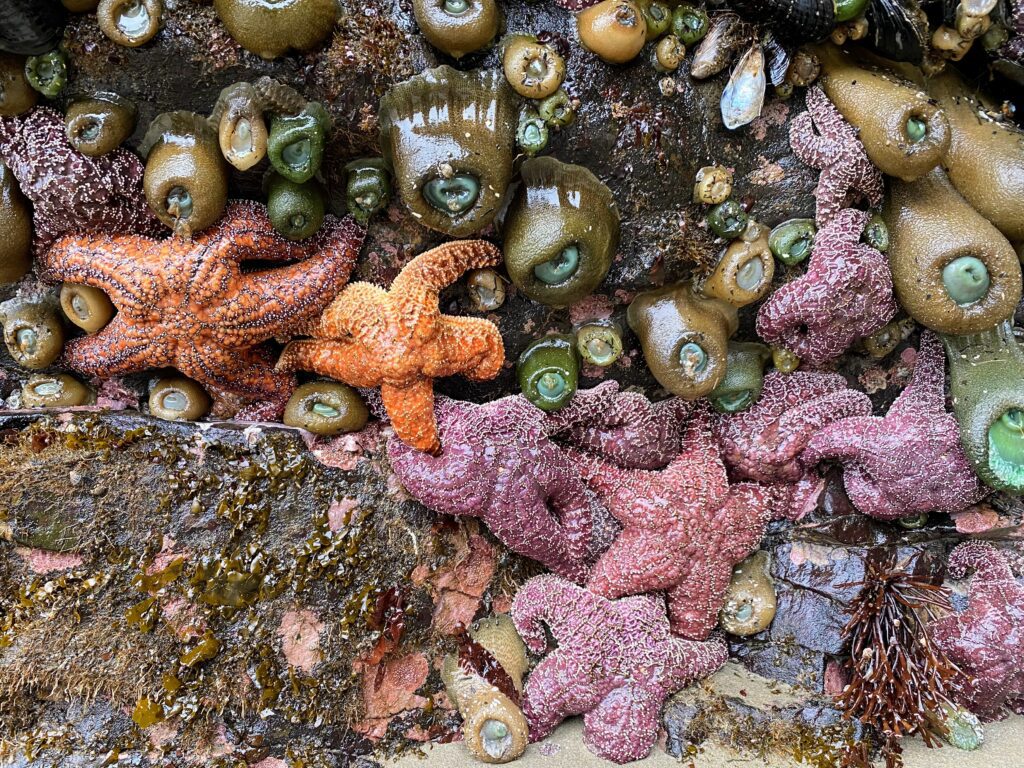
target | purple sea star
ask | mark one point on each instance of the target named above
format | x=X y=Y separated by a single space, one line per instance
x=836 y=151
x=629 y=429
x=70 y=192
x=910 y=461
x=987 y=640
x=764 y=442
x=845 y=294
x=498 y=463
x=684 y=527
x=615 y=664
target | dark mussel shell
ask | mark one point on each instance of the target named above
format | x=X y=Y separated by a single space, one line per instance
x=30 y=27
x=897 y=29
x=793 y=21
x=777 y=57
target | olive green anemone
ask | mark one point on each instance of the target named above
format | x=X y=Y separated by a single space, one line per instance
x=548 y=371
x=560 y=232
x=744 y=377
x=987 y=387
x=326 y=408
x=449 y=137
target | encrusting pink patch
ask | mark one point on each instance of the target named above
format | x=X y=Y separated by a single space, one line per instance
x=41 y=561
x=300 y=638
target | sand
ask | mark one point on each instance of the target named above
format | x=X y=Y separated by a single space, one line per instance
x=1003 y=747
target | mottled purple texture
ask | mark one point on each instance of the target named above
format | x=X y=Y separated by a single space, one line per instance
x=630 y=430
x=70 y=192
x=822 y=139
x=497 y=462
x=987 y=639
x=910 y=461
x=845 y=294
x=615 y=664
x=765 y=441
x=684 y=527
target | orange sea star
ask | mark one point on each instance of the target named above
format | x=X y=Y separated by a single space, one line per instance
x=398 y=339
x=186 y=303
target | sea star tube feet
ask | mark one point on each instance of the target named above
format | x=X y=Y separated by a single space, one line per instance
x=616 y=663
x=845 y=294
x=909 y=462
x=987 y=639
x=187 y=303
x=398 y=339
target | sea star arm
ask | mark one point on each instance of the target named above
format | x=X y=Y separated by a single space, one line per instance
x=809 y=148
x=470 y=346
x=118 y=349
x=624 y=725
x=411 y=410
x=341 y=360
x=586 y=407
x=694 y=602
x=245 y=372
x=693 y=659
x=417 y=287
x=110 y=263
x=277 y=300
x=637 y=561
x=245 y=232
x=555 y=690
x=843 y=440
x=926 y=391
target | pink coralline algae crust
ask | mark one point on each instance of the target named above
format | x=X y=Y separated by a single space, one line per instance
x=497 y=463
x=630 y=430
x=764 y=442
x=910 y=461
x=615 y=664
x=845 y=294
x=987 y=640
x=70 y=192
x=684 y=527
x=822 y=139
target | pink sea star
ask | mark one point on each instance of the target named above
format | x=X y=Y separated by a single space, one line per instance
x=629 y=429
x=987 y=640
x=845 y=294
x=684 y=527
x=764 y=442
x=615 y=664
x=70 y=192
x=498 y=463
x=910 y=461
x=836 y=151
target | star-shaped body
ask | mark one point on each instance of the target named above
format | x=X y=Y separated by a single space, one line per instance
x=822 y=139
x=765 y=441
x=186 y=303
x=70 y=192
x=909 y=462
x=684 y=527
x=629 y=429
x=498 y=463
x=845 y=294
x=615 y=664
x=398 y=339
x=987 y=640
